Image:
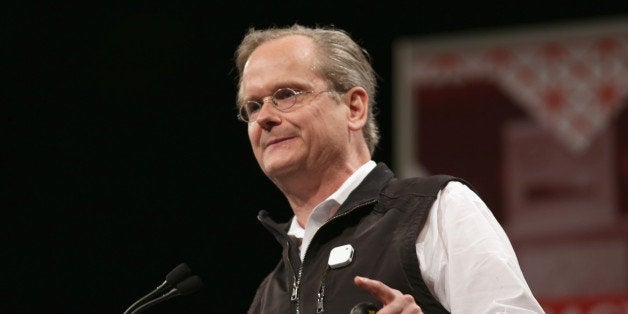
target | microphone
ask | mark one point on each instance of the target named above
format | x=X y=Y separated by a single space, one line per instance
x=364 y=308
x=178 y=274
x=185 y=287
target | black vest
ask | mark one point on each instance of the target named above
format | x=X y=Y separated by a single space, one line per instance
x=381 y=219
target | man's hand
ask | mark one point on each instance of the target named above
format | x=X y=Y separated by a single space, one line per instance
x=394 y=301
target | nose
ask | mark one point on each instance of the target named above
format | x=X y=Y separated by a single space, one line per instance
x=268 y=116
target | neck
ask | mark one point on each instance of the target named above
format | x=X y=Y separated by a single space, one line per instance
x=305 y=195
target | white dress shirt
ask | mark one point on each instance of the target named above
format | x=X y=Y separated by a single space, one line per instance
x=323 y=211
x=465 y=257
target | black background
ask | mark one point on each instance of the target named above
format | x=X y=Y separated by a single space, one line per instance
x=123 y=156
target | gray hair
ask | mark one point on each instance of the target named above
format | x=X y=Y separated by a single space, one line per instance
x=342 y=62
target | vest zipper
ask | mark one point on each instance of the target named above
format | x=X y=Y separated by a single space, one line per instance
x=295 y=291
x=297 y=282
x=320 y=300
x=296 y=279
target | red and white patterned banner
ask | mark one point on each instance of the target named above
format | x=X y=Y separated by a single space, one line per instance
x=587 y=304
x=572 y=85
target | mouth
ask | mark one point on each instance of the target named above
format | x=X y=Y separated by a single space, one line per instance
x=277 y=141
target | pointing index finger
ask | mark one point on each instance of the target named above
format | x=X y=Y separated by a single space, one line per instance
x=376 y=288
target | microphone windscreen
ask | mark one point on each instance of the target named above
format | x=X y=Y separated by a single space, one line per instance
x=364 y=308
x=190 y=285
x=178 y=274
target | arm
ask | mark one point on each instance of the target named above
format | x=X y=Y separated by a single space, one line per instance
x=466 y=258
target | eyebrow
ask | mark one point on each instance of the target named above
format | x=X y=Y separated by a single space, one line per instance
x=297 y=86
x=274 y=90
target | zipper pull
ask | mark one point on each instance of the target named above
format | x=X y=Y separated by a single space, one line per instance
x=295 y=286
x=320 y=301
x=295 y=290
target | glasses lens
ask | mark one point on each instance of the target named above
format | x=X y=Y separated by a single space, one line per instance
x=284 y=98
x=250 y=110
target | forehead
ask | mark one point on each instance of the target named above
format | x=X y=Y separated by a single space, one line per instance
x=286 y=60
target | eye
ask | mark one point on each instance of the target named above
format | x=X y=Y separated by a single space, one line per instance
x=252 y=107
x=284 y=94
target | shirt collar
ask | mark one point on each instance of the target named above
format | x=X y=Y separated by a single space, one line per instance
x=336 y=198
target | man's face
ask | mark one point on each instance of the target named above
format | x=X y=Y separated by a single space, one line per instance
x=307 y=138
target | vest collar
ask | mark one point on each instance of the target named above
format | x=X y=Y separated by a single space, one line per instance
x=367 y=191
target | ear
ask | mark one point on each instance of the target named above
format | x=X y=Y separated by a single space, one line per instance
x=358 y=102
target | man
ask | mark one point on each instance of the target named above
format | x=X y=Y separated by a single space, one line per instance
x=421 y=245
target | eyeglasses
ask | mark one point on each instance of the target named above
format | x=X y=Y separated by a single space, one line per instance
x=283 y=99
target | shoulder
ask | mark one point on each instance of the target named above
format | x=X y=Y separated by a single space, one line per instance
x=425 y=186
x=458 y=191
x=458 y=203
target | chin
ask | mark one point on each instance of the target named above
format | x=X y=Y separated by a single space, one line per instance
x=277 y=168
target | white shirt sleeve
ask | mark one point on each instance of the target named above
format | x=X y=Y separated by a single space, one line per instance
x=467 y=260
